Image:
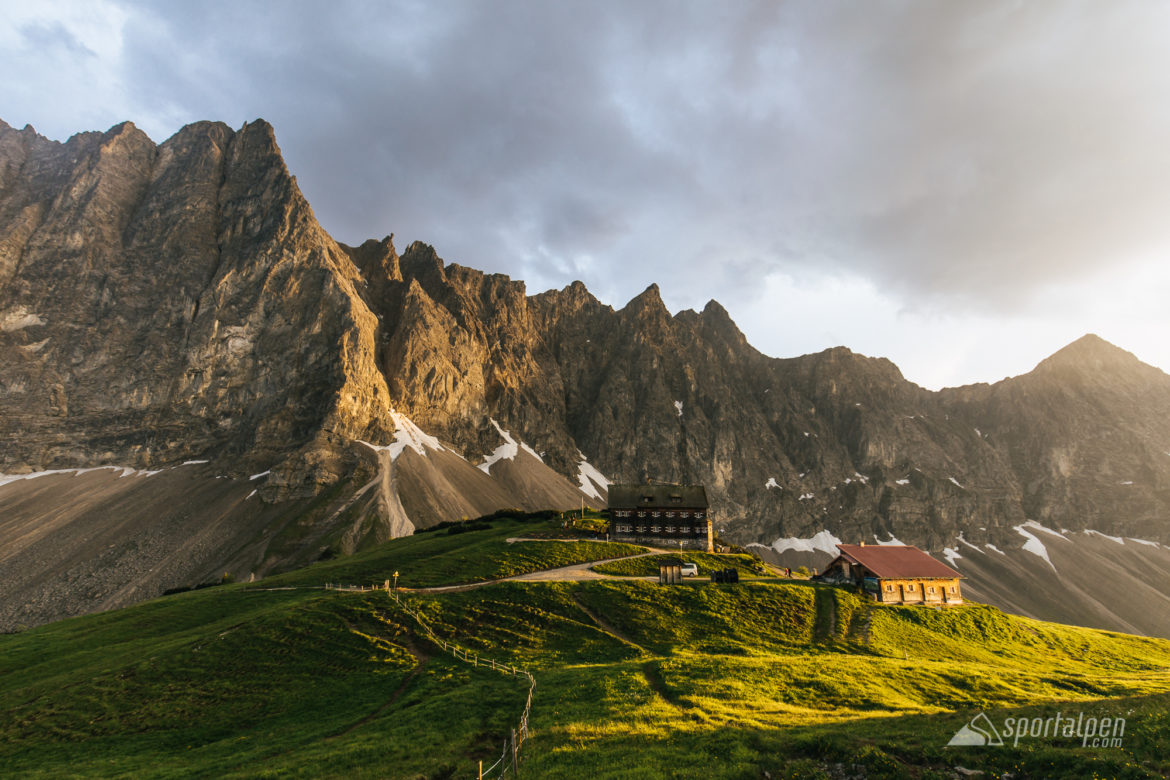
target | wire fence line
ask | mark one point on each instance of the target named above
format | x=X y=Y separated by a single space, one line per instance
x=508 y=764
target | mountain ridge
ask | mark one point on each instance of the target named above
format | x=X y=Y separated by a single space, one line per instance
x=176 y=302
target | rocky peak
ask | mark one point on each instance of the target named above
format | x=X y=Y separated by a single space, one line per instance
x=377 y=260
x=1090 y=353
x=648 y=308
x=719 y=323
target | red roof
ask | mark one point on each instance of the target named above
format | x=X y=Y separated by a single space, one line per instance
x=896 y=561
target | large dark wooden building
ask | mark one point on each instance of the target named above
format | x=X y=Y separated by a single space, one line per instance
x=663 y=515
x=895 y=574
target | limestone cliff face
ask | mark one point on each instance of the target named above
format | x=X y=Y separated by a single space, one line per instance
x=160 y=303
x=180 y=301
x=787 y=448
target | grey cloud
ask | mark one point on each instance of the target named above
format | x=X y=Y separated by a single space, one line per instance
x=52 y=37
x=953 y=152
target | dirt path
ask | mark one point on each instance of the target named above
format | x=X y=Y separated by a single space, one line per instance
x=577 y=572
x=657 y=684
x=825 y=626
x=606 y=626
x=866 y=622
x=421 y=657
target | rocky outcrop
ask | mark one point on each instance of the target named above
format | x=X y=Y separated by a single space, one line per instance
x=174 y=302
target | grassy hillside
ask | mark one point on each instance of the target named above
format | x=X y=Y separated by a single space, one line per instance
x=647 y=565
x=633 y=680
x=439 y=558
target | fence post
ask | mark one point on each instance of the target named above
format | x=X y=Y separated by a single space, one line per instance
x=481 y=769
x=515 y=770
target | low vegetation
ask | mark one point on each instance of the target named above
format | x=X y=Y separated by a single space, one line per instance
x=634 y=680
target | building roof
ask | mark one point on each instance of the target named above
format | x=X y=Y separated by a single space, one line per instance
x=655 y=496
x=896 y=561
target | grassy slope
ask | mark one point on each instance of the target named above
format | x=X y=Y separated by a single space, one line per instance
x=695 y=680
x=647 y=566
x=437 y=558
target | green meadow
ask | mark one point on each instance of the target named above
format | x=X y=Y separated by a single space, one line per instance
x=647 y=565
x=633 y=679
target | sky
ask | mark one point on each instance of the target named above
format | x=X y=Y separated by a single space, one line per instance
x=963 y=188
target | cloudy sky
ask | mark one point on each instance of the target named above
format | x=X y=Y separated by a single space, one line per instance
x=961 y=187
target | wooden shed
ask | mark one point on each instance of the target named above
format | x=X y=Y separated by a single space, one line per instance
x=894 y=574
x=670 y=571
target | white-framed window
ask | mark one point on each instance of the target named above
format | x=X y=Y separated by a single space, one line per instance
x=952 y=589
x=684 y=514
x=910 y=586
x=655 y=529
x=889 y=588
x=641 y=514
x=932 y=589
x=699 y=515
x=657 y=514
x=670 y=529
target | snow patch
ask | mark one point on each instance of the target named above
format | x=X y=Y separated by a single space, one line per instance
x=1034 y=525
x=1033 y=544
x=194 y=462
x=589 y=477
x=892 y=541
x=1128 y=482
x=952 y=479
x=902 y=482
x=126 y=472
x=249 y=495
x=771 y=483
x=805 y=496
x=255 y=477
x=821 y=542
x=1117 y=539
x=950 y=553
x=972 y=546
x=506 y=451
x=678 y=405
x=406 y=434
x=861 y=478
x=993 y=548
x=979 y=432
x=1144 y=541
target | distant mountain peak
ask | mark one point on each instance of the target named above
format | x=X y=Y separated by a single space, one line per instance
x=650 y=298
x=1090 y=352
